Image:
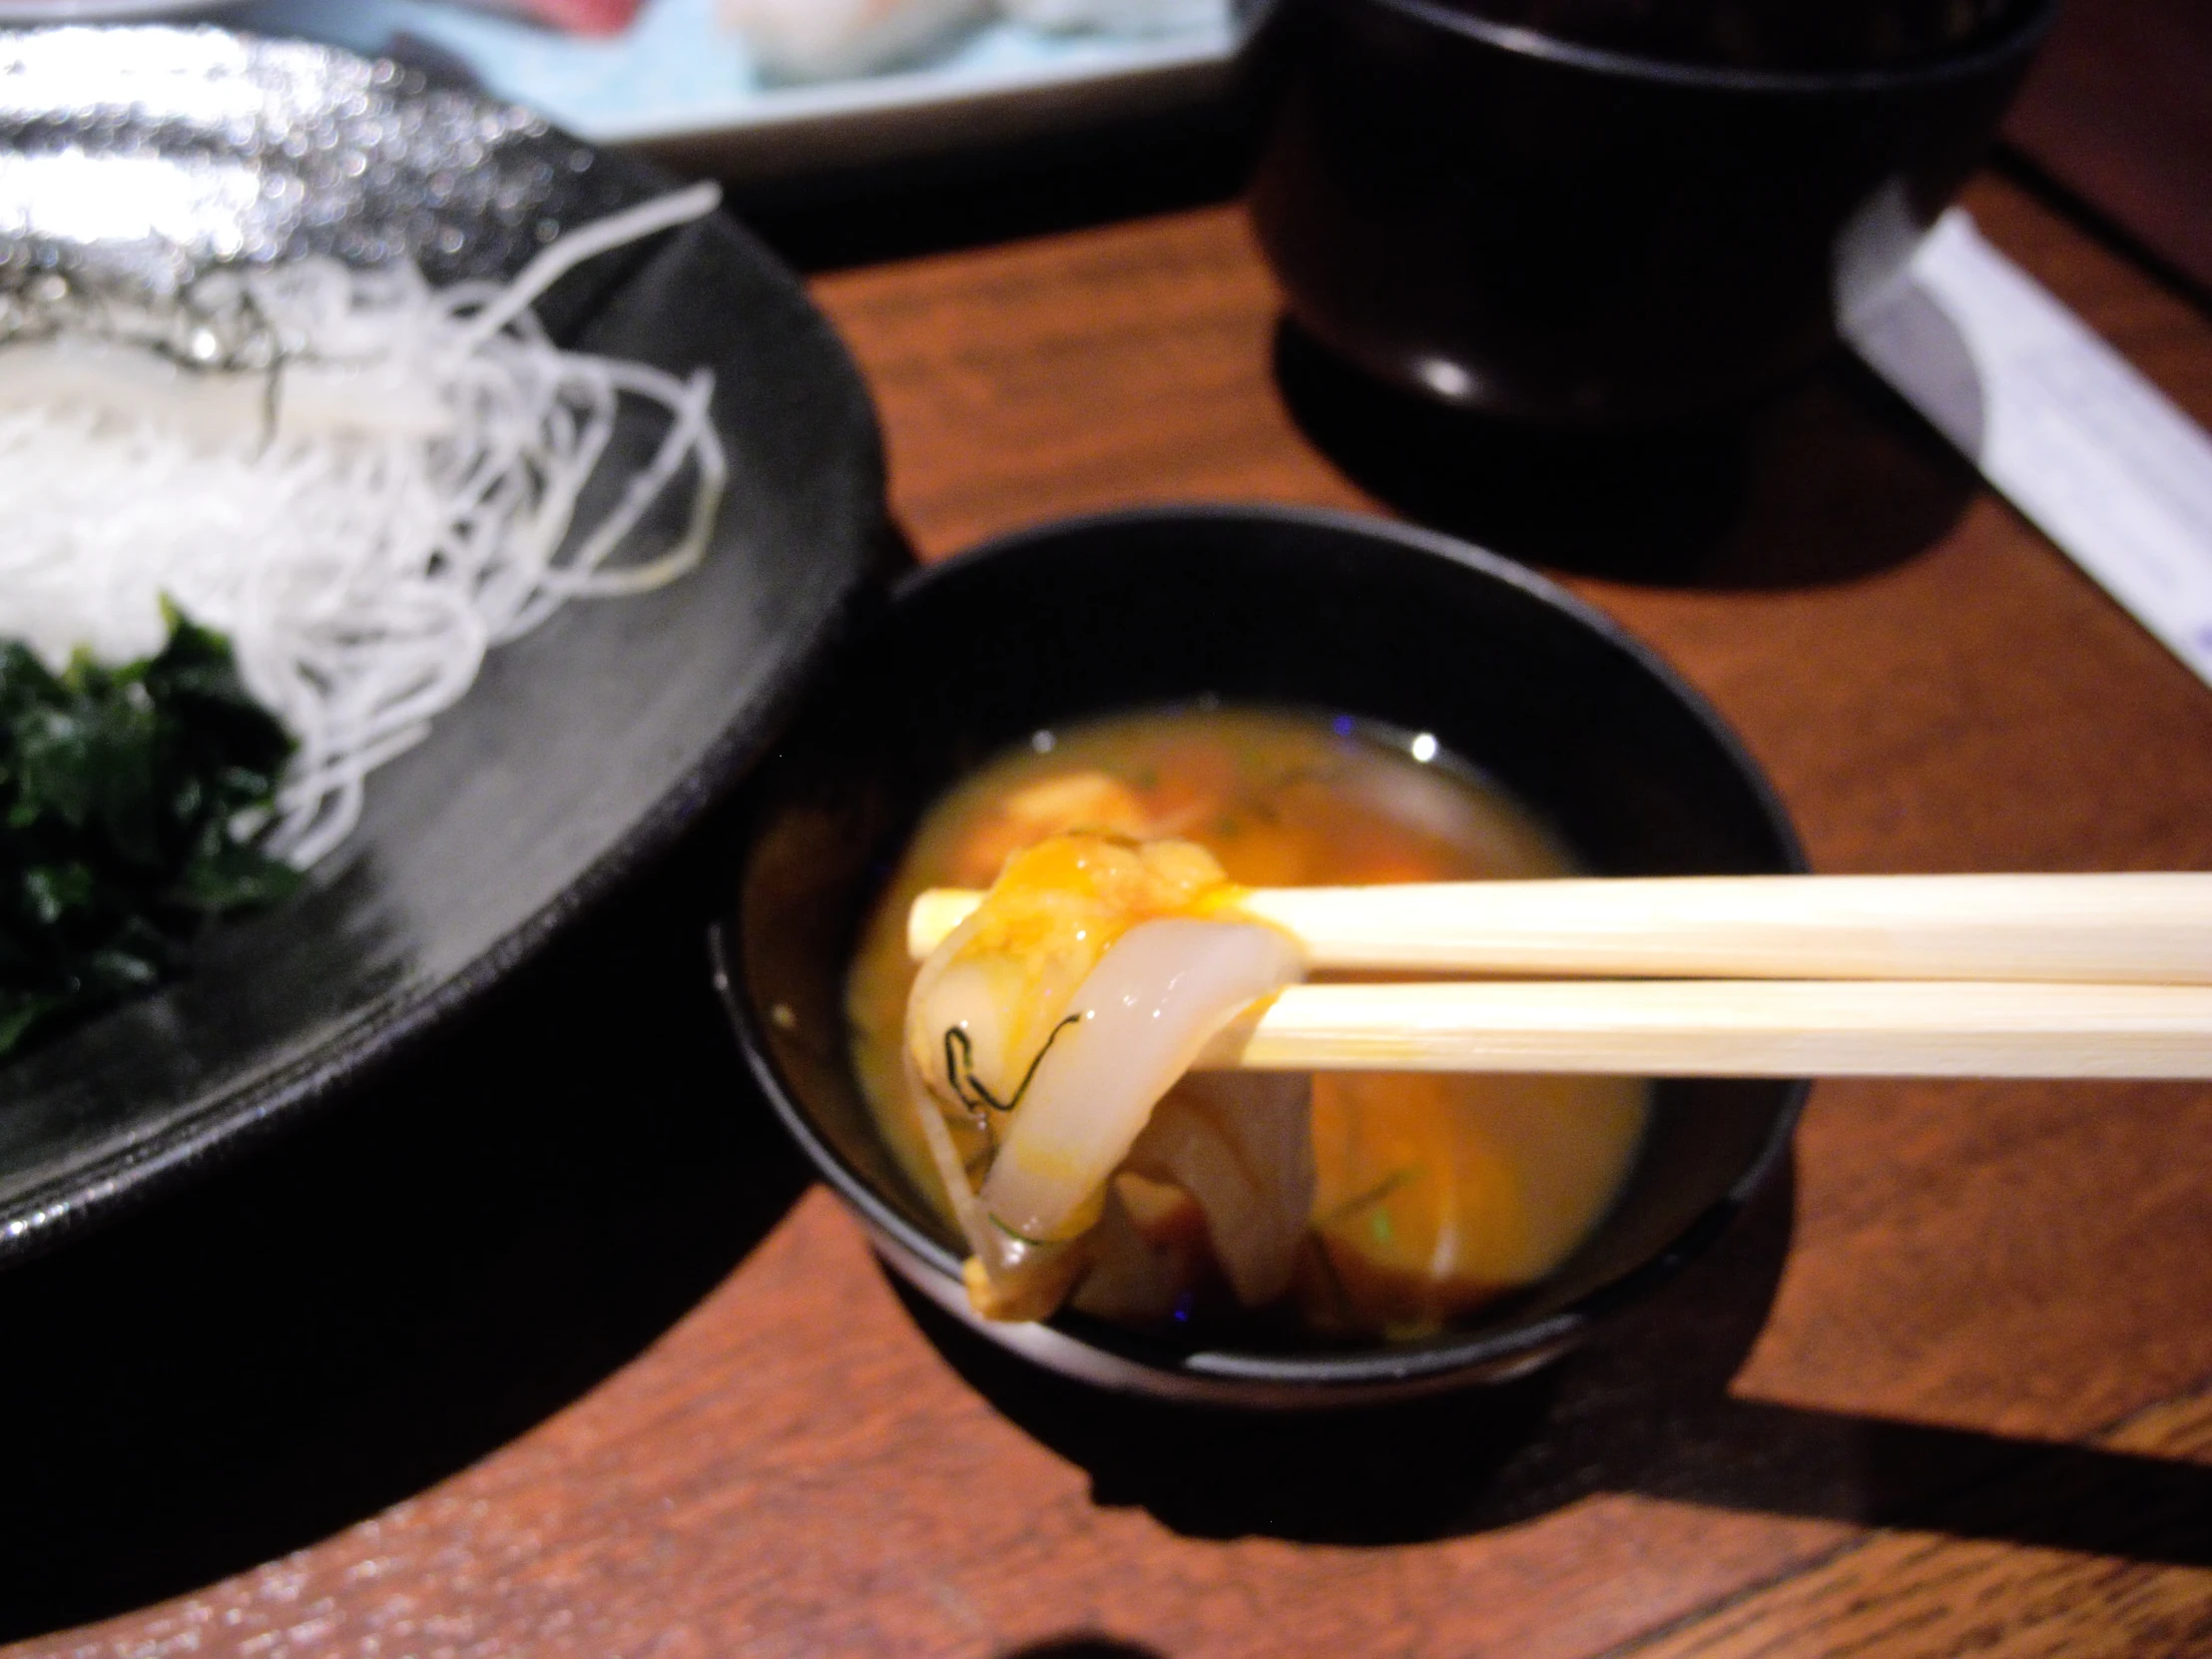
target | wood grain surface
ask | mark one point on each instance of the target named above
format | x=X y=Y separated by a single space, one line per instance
x=1948 y=1391
x=2116 y=113
x=1905 y=1590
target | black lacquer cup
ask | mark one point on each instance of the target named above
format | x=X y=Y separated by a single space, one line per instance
x=1573 y=234
x=1272 y=606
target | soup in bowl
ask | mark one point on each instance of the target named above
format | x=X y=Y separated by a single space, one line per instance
x=1158 y=708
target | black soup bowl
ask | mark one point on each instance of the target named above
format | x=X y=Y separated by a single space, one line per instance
x=1260 y=606
x=1604 y=227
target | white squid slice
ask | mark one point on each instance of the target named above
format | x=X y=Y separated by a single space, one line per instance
x=221 y=409
x=1137 y=1024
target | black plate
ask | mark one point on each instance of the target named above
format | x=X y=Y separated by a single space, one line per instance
x=585 y=748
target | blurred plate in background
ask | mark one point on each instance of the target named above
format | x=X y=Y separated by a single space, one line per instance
x=681 y=84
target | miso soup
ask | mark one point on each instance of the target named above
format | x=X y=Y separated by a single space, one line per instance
x=1430 y=1194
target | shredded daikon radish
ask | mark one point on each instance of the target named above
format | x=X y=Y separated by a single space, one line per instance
x=373 y=492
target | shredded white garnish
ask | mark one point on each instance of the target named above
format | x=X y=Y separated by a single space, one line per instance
x=364 y=519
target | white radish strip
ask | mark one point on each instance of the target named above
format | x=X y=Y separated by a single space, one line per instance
x=663 y=212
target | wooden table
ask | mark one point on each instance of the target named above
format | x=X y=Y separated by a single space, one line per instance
x=548 y=1348
x=2114 y=116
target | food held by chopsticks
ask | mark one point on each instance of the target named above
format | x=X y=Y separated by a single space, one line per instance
x=285 y=513
x=1051 y=1025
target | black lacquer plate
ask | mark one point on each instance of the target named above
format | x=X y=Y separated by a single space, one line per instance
x=587 y=747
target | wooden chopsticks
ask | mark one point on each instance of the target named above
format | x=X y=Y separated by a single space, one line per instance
x=1731 y=1028
x=2121 y=928
x=2107 y=975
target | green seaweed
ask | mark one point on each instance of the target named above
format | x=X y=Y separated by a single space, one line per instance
x=123 y=793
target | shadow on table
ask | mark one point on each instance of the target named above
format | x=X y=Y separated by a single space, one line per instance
x=1834 y=478
x=1644 y=1410
x=381 y=1296
x=1035 y=185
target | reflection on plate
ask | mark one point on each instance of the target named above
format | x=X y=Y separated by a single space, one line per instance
x=586 y=746
x=677 y=79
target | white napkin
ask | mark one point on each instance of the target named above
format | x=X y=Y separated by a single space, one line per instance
x=2076 y=438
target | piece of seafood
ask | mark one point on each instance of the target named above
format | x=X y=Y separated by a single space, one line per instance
x=1042 y=1036
x=812 y=40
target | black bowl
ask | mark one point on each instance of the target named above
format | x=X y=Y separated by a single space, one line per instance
x=585 y=750
x=1280 y=607
x=1550 y=231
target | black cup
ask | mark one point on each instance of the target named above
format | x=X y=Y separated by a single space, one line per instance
x=1570 y=233
x=1277 y=607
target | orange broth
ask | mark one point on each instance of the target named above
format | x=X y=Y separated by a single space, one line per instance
x=1435 y=1193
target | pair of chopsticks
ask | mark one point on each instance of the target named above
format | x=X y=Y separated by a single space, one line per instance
x=1735 y=976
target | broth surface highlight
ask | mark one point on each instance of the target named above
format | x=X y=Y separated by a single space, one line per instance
x=1435 y=1193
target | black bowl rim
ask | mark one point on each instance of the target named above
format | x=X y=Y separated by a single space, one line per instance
x=1360 y=1372
x=2013 y=37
